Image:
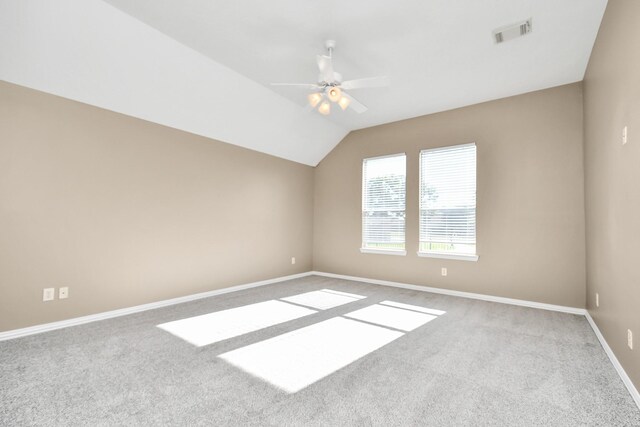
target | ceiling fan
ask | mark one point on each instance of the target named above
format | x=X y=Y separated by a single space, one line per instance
x=330 y=87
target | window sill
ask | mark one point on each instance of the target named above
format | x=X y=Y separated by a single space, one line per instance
x=382 y=251
x=461 y=257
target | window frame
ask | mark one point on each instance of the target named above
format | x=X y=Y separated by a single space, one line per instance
x=382 y=251
x=448 y=255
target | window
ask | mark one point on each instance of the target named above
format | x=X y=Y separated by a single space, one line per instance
x=448 y=202
x=383 y=204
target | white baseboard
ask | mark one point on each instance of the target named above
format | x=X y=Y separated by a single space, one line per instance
x=17 y=333
x=502 y=300
x=614 y=361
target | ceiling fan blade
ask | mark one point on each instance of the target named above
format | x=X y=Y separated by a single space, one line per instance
x=326 y=68
x=357 y=106
x=312 y=86
x=368 y=82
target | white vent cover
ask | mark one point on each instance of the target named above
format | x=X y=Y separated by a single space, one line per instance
x=511 y=32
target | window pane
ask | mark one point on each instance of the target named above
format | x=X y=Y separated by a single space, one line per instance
x=383 y=202
x=448 y=200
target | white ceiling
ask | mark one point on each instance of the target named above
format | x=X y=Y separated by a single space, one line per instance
x=439 y=54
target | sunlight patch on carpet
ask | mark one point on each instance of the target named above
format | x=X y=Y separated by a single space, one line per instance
x=297 y=359
x=221 y=325
x=391 y=317
x=323 y=299
x=414 y=308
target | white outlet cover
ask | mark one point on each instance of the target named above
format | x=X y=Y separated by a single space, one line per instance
x=48 y=294
x=630 y=339
x=63 y=293
x=293 y=260
x=444 y=271
x=624 y=135
x=597 y=299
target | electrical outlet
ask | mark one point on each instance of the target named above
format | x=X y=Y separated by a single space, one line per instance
x=630 y=339
x=597 y=299
x=63 y=293
x=293 y=260
x=48 y=294
x=624 y=135
x=444 y=271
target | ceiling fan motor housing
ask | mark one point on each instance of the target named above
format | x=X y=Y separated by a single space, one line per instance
x=337 y=79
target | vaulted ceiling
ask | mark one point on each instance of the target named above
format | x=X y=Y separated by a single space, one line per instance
x=205 y=66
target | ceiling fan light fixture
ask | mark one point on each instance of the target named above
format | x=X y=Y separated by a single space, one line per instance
x=314 y=99
x=334 y=94
x=344 y=102
x=329 y=86
x=324 y=108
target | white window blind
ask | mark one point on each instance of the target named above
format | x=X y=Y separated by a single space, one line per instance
x=383 y=203
x=448 y=200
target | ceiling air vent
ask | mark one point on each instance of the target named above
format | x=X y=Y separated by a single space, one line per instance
x=510 y=32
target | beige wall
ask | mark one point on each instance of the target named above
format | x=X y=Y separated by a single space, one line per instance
x=530 y=208
x=612 y=100
x=126 y=212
